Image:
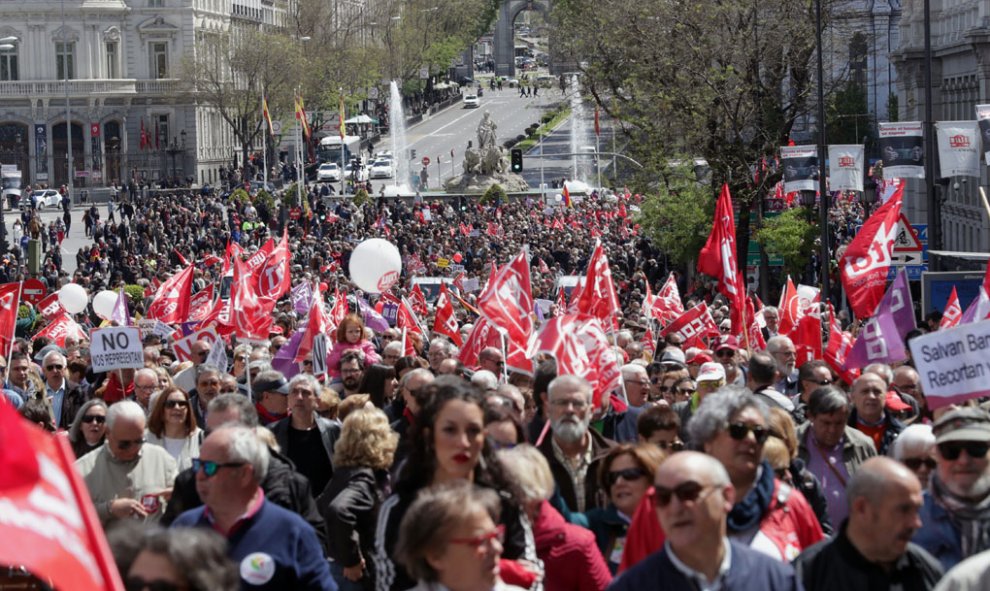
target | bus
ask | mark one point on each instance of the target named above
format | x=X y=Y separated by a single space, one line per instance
x=329 y=149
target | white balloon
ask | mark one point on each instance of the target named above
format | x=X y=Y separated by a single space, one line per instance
x=73 y=298
x=104 y=302
x=375 y=265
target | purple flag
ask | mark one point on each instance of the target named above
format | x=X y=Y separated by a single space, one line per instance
x=121 y=315
x=372 y=319
x=284 y=359
x=302 y=297
x=882 y=340
x=978 y=309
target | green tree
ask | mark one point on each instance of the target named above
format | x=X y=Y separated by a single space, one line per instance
x=791 y=236
x=848 y=116
x=677 y=215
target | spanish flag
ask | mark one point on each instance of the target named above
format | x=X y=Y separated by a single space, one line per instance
x=301 y=116
x=267 y=116
x=568 y=202
x=343 y=127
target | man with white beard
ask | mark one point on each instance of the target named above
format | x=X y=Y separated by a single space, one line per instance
x=785 y=354
x=572 y=449
x=955 y=515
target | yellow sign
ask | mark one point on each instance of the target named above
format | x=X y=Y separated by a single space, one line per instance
x=443 y=263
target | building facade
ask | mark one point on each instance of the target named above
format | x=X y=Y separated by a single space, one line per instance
x=960 y=39
x=113 y=69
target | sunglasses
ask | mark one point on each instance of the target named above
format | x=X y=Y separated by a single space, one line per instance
x=139 y=584
x=672 y=446
x=210 y=468
x=176 y=404
x=629 y=475
x=951 y=450
x=126 y=444
x=685 y=492
x=739 y=431
x=685 y=391
x=915 y=464
x=725 y=353
x=55 y=367
x=478 y=541
x=820 y=382
x=98 y=419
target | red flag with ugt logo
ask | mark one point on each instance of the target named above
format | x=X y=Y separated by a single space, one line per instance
x=274 y=279
x=718 y=257
x=865 y=263
x=418 y=300
x=482 y=335
x=201 y=304
x=598 y=297
x=580 y=347
x=445 y=321
x=693 y=326
x=315 y=325
x=250 y=315
x=172 y=298
x=10 y=300
x=953 y=311
x=508 y=300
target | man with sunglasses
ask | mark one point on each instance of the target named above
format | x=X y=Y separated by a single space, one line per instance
x=637 y=389
x=726 y=349
x=693 y=499
x=274 y=547
x=63 y=401
x=127 y=479
x=955 y=515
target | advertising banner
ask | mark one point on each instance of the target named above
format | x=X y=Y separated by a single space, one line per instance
x=958 y=148
x=845 y=167
x=800 y=164
x=902 y=148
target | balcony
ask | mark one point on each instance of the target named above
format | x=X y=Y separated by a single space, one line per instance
x=56 y=88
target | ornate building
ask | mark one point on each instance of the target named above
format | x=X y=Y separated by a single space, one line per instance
x=115 y=67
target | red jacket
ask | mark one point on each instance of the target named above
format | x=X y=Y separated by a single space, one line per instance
x=570 y=556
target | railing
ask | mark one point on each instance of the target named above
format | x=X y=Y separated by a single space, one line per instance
x=56 y=88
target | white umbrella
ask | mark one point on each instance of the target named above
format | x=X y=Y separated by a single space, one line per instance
x=360 y=119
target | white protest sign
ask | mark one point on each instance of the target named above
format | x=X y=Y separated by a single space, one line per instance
x=218 y=355
x=155 y=327
x=954 y=364
x=117 y=347
x=183 y=347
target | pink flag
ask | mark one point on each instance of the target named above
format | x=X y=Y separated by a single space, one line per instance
x=882 y=338
x=121 y=315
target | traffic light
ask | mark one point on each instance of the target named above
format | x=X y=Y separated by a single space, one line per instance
x=412 y=153
x=517 y=158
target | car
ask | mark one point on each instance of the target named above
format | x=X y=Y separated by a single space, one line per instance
x=328 y=171
x=382 y=169
x=45 y=198
x=471 y=101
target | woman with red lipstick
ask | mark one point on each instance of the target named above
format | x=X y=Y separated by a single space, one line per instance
x=448 y=444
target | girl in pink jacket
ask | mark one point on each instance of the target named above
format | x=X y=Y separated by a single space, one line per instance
x=350 y=336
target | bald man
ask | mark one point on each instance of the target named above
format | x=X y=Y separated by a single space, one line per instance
x=873 y=549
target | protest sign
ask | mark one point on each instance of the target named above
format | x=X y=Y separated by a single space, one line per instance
x=117 y=347
x=954 y=364
x=183 y=347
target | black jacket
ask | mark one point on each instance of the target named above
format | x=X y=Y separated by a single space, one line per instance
x=837 y=564
x=329 y=433
x=349 y=506
x=282 y=485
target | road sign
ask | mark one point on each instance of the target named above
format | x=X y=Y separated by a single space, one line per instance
x=910 y=247
x=426 y=160
x=33 y=291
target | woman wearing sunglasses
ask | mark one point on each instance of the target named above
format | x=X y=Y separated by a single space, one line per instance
x=915 y=448
x=89 y=428
x=731 y=425
x=172 y=425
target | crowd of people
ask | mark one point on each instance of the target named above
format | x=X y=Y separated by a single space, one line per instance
x=708 y=467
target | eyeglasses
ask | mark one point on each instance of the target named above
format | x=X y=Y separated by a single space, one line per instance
x=685 y=391
x=819 y=382
x=126 y=444
x=952 y=449
x=725 y=353
x=55 y=367
x=176 y=404
x=739 y=431
x=241 y=358
x=139 y=584
x=725 y=329
x=98 y=419
x=629 y=474
x=210 y=468
x=672 y=446
x=478 y=541
x=915 y=464
x=685 y=492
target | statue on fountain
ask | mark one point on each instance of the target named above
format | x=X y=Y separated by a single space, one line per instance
x=485 y=165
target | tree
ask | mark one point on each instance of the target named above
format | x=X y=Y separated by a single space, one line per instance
x=677 y=215
x=791 y=236
x=848 y=117
x=728 y=81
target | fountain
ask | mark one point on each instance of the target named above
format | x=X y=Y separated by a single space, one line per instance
x=400 y=147
x=580 y=167
x=486 y=164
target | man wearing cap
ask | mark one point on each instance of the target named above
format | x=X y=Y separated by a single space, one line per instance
x=725 y=353
x=711 y=377
x=955 y=515
x=271 y=390
x=869 y=396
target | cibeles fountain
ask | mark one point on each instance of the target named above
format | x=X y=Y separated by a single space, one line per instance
x=485 y=165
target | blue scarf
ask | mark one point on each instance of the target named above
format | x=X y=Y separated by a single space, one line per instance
x=748 y=512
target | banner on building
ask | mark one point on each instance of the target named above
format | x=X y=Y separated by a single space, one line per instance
x=845 y=167
x=902 y=149
x=958 y=148
x=41 y=151
x=96 y=149
x=800 y=165
x=983 y=119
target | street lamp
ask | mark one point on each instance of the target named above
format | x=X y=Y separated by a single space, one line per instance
x=822 y=179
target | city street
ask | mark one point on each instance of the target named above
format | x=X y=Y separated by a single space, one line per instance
x=76 y=238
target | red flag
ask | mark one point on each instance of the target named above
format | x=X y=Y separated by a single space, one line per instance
x=465 y=229
x=864 y=265
x=718 y=257
x=581 y=348
x=568 y=202
x=693 y=325
x=316 y=325
x=493 y=229
x=756 y=340
x=953 y=311
x=598 y=296
x=274 y=278
x=484 y=334
x=143 y=142
x=49 y=525
x=62 y=326
x=200 y=304
x=418 y=301
x=338 y=312
x=258 y=258
x=210 y=260
x=406 y=317
x=49 y=306
x=172 y=298
x=561 y=301
x=10 y=300
x=445 y=322
x=508 y=300
x=182 y=259
x=250 y=316
x=839 y=345
x=790 y=308
x=807 y=337
x=667 y=305
x=649 y=341
x=543 y=268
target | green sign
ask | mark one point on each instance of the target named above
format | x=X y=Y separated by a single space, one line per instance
x=753 y=256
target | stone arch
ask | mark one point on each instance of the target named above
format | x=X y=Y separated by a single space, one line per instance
x=505 y=63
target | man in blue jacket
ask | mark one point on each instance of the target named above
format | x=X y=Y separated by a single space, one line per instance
x=694 y=495
x=274 y=548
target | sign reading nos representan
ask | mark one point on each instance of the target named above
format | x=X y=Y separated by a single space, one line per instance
x=118 y=347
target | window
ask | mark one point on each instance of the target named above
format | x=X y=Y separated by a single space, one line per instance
x=156 y=3
x=64 y=68
x=159 y=60
x=162 y=129
x=8 y=65
x=113 y=71
x=858 y=49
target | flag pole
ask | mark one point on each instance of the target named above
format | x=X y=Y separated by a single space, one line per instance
x=505 y=356
x=13 y=325
x=264 y=142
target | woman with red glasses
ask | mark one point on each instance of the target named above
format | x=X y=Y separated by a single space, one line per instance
x=450 y=539
x=172 y=426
